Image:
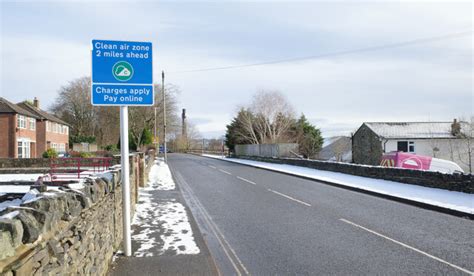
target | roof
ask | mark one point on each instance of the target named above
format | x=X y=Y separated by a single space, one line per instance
x=8 y=107
x=336 y=145
x=40 y=113
x=413 y=130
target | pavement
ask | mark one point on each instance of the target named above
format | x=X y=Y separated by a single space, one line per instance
x=260 y=222
x=153 y=253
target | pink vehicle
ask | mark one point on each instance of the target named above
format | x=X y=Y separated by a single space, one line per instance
x=419 y=162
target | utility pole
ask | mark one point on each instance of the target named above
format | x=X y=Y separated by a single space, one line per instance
x=154 y=137
x=164 y=114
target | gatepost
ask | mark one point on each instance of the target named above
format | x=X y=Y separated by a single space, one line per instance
x=122 y=75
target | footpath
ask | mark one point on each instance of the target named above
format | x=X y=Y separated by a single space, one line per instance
x=165 y=238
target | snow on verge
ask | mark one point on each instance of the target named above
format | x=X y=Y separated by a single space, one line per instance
x=167 y=219
x=160 y=177
x=458 y=201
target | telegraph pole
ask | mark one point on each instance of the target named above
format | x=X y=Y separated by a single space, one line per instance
x=164 y=114
x=154 y=138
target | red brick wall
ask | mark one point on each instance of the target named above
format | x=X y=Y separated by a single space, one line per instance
x=26 y=133
x=5 y=136
x=57 y=138
x=40 y=137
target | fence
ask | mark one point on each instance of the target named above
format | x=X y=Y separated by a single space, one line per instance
x=75 y=167
x=267 y=150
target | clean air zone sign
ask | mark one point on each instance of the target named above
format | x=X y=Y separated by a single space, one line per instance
x=122 y=73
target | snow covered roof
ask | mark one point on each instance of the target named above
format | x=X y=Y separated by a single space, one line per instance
x=418 y=130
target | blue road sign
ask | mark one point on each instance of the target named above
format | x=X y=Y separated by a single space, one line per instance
x=122 y=73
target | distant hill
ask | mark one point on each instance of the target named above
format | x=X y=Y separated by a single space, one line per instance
x=337 y=148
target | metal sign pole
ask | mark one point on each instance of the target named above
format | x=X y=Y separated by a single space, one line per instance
x=127 y=240
x=125 y=66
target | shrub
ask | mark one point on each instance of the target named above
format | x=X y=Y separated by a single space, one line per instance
x=85 y=154
x=50 y=153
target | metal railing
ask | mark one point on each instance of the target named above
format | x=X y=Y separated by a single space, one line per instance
x=63 y=169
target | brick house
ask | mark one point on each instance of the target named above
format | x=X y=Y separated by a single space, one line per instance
x=435 y=139
x=51 y=132
x=17 y=131
x=26 y=131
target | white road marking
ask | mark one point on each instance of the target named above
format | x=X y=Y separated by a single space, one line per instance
x=290 y=198
x=216 y=231
x=226 y=172
x=246 y=180
x=212 y=167
x=407 y=246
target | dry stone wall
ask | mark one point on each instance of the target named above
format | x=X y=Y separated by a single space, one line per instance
x=453 y=182
x=68 y=231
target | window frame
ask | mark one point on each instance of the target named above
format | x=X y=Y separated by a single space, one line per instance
x=410 y=146
x=32 y=122
x=20 y=121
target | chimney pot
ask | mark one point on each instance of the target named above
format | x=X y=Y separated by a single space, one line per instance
x=36 y=102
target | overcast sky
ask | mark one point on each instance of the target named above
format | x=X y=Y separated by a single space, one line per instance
x=46 y=44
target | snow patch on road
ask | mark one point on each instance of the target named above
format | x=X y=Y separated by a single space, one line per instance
x=168 y=219
x=458 y=201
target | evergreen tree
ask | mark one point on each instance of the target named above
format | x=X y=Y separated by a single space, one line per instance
x=308 y=137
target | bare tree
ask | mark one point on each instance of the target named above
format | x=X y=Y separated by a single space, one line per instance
x=339 y=147
x=267 y=120
x=141 y=118
x=466 y=134
x=73 y=105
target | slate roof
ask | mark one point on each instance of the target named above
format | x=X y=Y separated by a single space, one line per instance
x=412 y=130
x=8 y=107
x=40 y=113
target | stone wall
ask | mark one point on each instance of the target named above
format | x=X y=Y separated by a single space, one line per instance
x=366 y=147
x=453 y=182
x=70 y=231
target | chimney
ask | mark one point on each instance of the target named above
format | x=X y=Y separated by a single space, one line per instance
x=184 y=127
x=455 y=128
x=36 y=102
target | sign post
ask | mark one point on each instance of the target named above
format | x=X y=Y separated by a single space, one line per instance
x=122 y=75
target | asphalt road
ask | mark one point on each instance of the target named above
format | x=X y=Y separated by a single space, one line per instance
x=260 y=222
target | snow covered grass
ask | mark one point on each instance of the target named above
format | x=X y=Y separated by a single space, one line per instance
x=458 y=201
x=161 y=225
x=19 y=177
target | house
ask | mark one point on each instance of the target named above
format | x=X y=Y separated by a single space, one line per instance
x=51 y=131
x=437 y=139
x=26 y=131
x=17 y=131
x=337 y=148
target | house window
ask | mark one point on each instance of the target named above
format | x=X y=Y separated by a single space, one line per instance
x=48 y=126
x=32 y=124
x=20 y=122
x=24 y=149
x=67 y=129
x=406 y=146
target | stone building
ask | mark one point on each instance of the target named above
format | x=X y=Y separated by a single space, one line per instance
x=436 y=139
x=26 y=131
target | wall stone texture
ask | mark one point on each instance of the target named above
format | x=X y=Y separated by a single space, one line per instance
x=68 y=231
x=453 y=182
